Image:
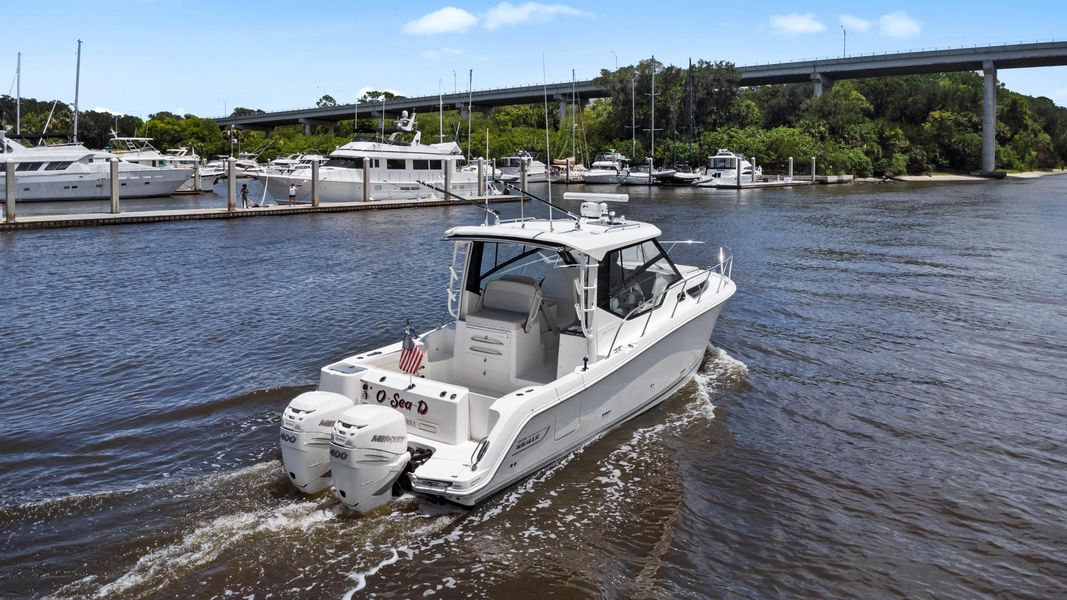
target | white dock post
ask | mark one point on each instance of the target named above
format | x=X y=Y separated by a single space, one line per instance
x=737 y=172
x=753 y=169
x=813 y=169
x=315 y=183
x=522 y=175
x=366 y=179
x=650 y=170
x=481 y=177
x=196 y=177
x=231 y=184
x=492 y=164
x=568 y=171
x=9 y=191
x=790 y=176
x=114 y=184
x=448 y=177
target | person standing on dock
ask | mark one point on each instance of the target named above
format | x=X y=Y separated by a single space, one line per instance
x=244 y=195
x=292 y=193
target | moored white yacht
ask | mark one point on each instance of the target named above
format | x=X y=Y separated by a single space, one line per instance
x=285 y=164
x=562 y=330
x=511 y=167
x=396 y=167
x=607 y=167
x=139 y=150
x=722 y=170
x=73 y=172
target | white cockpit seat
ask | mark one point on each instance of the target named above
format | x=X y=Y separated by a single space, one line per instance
x=510 y=302
x=559 y=287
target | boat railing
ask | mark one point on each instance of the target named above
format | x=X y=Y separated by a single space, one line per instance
x=724 y=269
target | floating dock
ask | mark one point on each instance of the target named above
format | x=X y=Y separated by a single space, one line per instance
x=196 y=214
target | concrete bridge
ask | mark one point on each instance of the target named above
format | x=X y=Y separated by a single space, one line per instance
x=822 y=73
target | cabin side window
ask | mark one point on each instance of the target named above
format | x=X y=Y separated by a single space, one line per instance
x=629 y=277
x=57 y=166
x=435 y=165
x=395 y=163
x=28 y=166
x=420 y=164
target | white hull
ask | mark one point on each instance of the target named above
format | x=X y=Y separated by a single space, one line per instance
x=602 y=177
x=616 y=392
x=44 y=187
x=337 y=186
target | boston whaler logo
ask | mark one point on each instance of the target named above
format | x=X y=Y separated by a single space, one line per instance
x=530 y=441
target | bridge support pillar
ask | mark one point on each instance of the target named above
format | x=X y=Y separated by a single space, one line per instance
x=562 y=111
x=307 y=128
x=822 y=83
x=989 y=118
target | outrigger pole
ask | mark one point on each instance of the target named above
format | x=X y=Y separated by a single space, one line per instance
x=489 y=211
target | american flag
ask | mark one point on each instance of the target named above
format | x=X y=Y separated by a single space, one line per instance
x=411 y=354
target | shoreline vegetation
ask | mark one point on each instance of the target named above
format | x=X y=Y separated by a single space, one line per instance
x=916 y=127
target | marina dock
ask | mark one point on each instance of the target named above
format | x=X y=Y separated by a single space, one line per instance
x=197 y=214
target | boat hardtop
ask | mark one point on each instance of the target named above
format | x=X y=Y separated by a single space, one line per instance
x=594 y=239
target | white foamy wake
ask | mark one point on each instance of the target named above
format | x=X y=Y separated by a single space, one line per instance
x=205 y=543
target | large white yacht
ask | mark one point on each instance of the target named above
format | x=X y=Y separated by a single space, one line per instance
x=139 y=150
x=562 y=329
x=511 y=167
x=396 y=167
x=285 y=164
x=723 y=167
x=607 y=167
x=73 y=172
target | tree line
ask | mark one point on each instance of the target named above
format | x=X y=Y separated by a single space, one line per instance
x=907 y=124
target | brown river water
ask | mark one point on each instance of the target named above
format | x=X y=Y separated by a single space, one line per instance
x=882 y=411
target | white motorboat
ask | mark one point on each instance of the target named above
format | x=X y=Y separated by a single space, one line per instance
x=285 y=164
x=607 y=167
x=562 y=330
x=73 y=172
x=722 y=170
x=567 y=171
x=639 y=175
x=511 y=167
x=396 y=167
x=680 y=174
x=139 y=150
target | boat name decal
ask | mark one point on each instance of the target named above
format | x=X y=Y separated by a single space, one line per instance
x=397 y=402
x=530 y=440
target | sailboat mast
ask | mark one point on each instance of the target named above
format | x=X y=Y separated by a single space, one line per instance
x=652 y=154
x=548 y=147
x=18 y=95
x=470 y=106
x=633 y=115
x=77 y=85
x=440 y=114
x=574 y=117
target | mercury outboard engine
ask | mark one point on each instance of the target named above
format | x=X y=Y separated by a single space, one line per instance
x=368 y=453
x=307 y=424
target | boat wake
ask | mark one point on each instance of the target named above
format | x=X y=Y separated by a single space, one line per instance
x=618 y=486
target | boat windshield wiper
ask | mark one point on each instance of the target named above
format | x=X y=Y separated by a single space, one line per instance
x=485 y=207
x=542 y=201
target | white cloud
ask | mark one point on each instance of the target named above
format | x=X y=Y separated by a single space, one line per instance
x=506 y=13
x=446 y=20
x=107 y=110
x=852 y=23
x=898 y=24
x=440 y=53
x=797 y=23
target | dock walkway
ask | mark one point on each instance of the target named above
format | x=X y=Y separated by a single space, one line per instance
x=195 y=214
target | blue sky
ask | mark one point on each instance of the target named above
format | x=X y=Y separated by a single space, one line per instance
x=142 y=56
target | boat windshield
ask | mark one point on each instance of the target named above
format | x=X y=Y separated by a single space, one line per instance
x=630 y=276
x=722 y=163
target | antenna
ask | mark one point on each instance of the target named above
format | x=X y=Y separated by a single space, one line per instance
x=548 y=148
x=18 y=95
x=440 y=113
x=470 y=106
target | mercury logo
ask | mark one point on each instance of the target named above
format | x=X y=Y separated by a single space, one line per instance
x=389 y=439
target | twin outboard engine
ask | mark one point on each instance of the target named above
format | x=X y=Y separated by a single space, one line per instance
x=368 y=453
x=307 y=425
